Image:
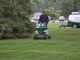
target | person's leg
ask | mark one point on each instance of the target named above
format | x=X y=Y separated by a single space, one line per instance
x=46 y=24
x=40 y=24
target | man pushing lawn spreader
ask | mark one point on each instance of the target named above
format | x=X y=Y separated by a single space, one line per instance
x=41 y=32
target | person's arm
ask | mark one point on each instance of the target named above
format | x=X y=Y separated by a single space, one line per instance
x=47 y=19
x=39 y=19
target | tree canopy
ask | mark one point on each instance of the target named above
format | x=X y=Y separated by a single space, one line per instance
x=14 y=19
x=67 y=6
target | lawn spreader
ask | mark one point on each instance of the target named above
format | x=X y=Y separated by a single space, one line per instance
x=41 y=32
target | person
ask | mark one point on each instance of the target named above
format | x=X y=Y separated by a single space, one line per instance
x=44 y=18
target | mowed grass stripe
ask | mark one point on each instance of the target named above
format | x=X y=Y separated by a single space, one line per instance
x=64 y=45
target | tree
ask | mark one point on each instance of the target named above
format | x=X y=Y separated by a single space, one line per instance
x=75 y=3
x=67 y=8
x=14 y=19
x=57 y=14
x=41 y=5
x=48 y=11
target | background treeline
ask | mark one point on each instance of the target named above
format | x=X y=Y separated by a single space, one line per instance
x=57 y=7
x=14 y=19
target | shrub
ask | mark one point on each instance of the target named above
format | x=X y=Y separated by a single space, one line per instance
x=14 y=19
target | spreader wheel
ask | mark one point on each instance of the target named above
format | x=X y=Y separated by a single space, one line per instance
x=74 y=26
x=35 y=36
x=49 y=37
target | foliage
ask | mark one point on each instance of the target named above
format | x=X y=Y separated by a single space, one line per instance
x=49 y=13
x=57 y=14
x=68 y=7
x=46 y=4
x=14 y=19
x=74 y=3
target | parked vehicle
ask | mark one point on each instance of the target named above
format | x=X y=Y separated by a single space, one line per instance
x=35 y=17
x=61 y=18
x=74 y=20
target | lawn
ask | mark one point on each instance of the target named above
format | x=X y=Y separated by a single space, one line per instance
x=64 y=45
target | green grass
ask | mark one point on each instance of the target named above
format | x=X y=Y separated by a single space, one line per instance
x=64 y=45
